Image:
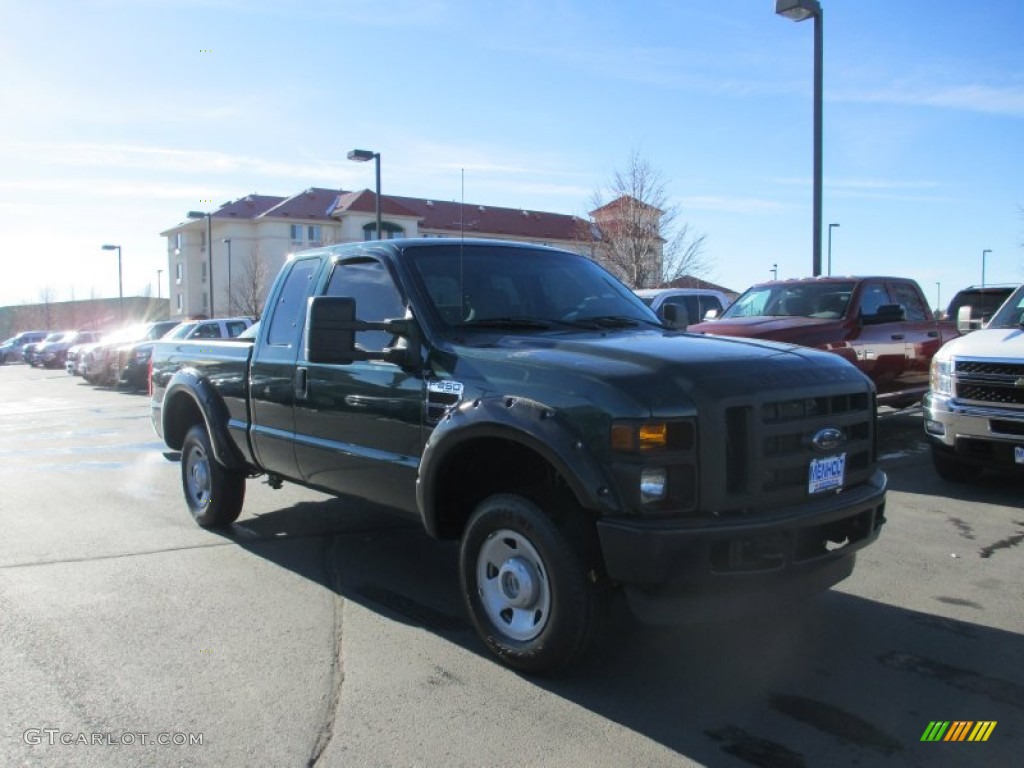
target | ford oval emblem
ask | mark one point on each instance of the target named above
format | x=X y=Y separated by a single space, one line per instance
x=828 y=439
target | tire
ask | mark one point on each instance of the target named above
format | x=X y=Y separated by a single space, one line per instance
x=950 y=468
x=526 y=586
x=214 y=495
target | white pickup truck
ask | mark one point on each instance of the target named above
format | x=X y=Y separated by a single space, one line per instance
x=974 y=410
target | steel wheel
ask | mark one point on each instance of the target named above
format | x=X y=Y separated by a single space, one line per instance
x=526 y=586
x=513 y=584
x=197 y=476
x=213 y=493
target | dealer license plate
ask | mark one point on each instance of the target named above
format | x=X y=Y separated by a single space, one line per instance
x=1018 y=454
x=826 y=474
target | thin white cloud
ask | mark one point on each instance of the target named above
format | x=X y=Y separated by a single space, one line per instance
x=855 y=184
x=997 y=100
x=750 y=205
x=168 y=160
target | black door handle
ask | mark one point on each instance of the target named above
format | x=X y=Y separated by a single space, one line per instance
x=301 y=383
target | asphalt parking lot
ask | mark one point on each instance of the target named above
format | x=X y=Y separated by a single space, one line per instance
x=319 y=631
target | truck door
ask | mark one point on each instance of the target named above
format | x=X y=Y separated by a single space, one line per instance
x=879 y=346
x=921 y=334
x=272 y=372
x=359 y=425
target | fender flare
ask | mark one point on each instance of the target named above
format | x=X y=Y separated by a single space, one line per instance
x=528 y=423
x=188 y=387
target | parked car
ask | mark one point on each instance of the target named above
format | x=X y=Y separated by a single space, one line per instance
x=974 y=410
x=102 y=360
x=219 y=328
x=54 y=353
x=33 y=352
x=883 y=325
x=523 y=401
x=977 y=303
x=133 y=359
x=13 y=350
x=690 y=305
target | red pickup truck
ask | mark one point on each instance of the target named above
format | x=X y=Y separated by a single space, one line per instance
x=880 y=324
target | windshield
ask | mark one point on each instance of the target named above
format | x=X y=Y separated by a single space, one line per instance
x=487 y=286
x=1011 y=314
x=982 y=301
x=179 y=331
x=821 y=300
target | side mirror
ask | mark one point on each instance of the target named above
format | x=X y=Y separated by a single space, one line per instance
x=965 y=323
x=331 y=328
x=674 y=317
x=711 y=314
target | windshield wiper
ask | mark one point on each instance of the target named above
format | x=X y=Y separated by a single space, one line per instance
x=611 y=321
x=506 y=322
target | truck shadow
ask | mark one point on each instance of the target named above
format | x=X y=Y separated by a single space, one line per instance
x=839 y=680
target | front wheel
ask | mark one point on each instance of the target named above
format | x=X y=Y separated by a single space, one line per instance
x=214 y=494
x=950 y=468
x=526 y=586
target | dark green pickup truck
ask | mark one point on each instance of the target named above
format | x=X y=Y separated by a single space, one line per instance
x=520 y=399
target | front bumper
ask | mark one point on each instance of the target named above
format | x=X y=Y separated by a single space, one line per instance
x=984 y=435
x=135 y=375
x=677 y=573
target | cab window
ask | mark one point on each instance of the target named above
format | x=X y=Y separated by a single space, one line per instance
x=369 y=283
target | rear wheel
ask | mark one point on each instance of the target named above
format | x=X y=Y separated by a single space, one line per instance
x=214 y=494
x=526 y=586
x=951 y=468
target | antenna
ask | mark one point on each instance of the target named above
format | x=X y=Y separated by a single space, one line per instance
x=462 y=241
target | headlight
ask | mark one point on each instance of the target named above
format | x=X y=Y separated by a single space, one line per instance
x=941 y=375
x=653 y=481
x=646 y=436
x=655 y=464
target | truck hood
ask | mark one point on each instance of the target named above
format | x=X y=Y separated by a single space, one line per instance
x=989 y=342
x=650 y=372
x=768 y=327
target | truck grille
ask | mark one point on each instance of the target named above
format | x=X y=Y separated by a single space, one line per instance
x=766 y=450
x=992 y=382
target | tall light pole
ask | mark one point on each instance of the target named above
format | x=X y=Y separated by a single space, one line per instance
x=159 y=280
x=775 y=271
x=986 y=251
x=120 y=282
x=230 y=303
x=361 y=156
x=209 y=248
x=938 y=297
x=800 y=10
x=830 y=226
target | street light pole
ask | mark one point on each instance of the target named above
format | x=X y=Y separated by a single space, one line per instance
x=800 y=10
x=230 y=302
x=159 y=280
x=209 y=249
x=987 y=250
x=361 y=156
x=938 y=296
x=830 y=226
x=775 y=271
x=120 y=282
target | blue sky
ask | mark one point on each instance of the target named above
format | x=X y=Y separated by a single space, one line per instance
x=115 y=121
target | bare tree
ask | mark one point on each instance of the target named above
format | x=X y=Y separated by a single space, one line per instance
x=46 y=296
x=635 y=230
x=248 y=297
